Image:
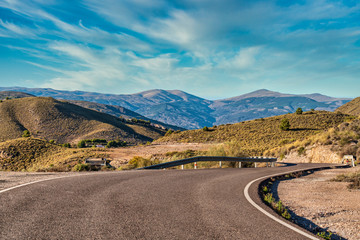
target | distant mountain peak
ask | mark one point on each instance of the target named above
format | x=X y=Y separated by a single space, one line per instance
x=161 y=95
x=259 y=93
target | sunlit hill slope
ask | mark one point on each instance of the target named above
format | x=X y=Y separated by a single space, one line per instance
x=50 y=119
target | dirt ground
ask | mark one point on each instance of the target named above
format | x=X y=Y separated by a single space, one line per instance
x=121 y=156
x=321 y=203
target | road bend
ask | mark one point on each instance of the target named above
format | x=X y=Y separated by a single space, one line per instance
x=145 y=204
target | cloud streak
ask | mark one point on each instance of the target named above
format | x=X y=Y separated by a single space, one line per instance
x=207 y=47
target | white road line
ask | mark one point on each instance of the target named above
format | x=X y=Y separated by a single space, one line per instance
x=24 y=184
x=47 y=179
x=247 y=196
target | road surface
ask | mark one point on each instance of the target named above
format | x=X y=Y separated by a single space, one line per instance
x=146 y=204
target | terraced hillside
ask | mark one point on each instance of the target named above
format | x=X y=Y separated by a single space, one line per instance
x=257 y=136
x=352 y=108
x=50 y=119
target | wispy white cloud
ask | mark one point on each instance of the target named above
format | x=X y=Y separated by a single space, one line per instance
x=190 y=43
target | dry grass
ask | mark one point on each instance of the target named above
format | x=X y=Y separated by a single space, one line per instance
x=343 y=139
x=352 y=178
x=352 y=107
x=30 y=154
x=257 y=136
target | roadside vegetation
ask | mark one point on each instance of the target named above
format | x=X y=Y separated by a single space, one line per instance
x=31 y=154
x=229 y=149
x=101 y=143
x=342 y=139
x=267 y=191
x=352 y=178
x=259 y=135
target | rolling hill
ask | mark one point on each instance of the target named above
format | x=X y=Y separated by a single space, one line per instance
x=352 y=108
x=51 y=119
x=33 y=154
x=13 y=94
x=179 y=108
x=257 y=136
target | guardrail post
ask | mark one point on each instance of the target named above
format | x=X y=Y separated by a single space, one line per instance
x=239 y=164
x=255 y=164
x=273 y=164
x=220 y=164
x=182 y=167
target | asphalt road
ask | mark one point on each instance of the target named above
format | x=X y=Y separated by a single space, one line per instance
x=146 y=204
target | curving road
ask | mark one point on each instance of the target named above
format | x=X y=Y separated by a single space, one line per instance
x=147 y=204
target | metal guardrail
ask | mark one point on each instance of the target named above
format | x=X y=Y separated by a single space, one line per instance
x=210 y=158
x=96 y=161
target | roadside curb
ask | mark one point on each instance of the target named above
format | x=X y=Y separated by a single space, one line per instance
x=273 y=217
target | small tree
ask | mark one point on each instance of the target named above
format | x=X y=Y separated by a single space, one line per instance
x=82 y=144
x=67 y=145
x=285 y=124
x=26 y=133
x=299 y=111
x=169 y=132
x=205 y=129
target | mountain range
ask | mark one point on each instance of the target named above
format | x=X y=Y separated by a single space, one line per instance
x=185 y=110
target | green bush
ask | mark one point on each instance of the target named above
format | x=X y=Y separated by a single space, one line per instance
x=116 y=143
x=325 y=235
x=67 y=145
x=301 y=151
x=26 y=133
x=139 y=162
x=299 y=111
x=205 y=129
x=81 y=167
x=82 y=144
x=285 y=124
x=169 y=132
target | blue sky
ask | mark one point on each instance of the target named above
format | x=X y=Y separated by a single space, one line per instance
x=213 y=49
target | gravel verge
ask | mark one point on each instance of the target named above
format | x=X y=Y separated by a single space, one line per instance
x=317 y=202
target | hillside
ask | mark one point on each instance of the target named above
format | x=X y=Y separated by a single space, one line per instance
x=63 y=122
x=118 y=111
x=328 y=146
x=352 y=108
x=38 y=155
x=13 y=94
x=175 y=107
x=258 y=135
